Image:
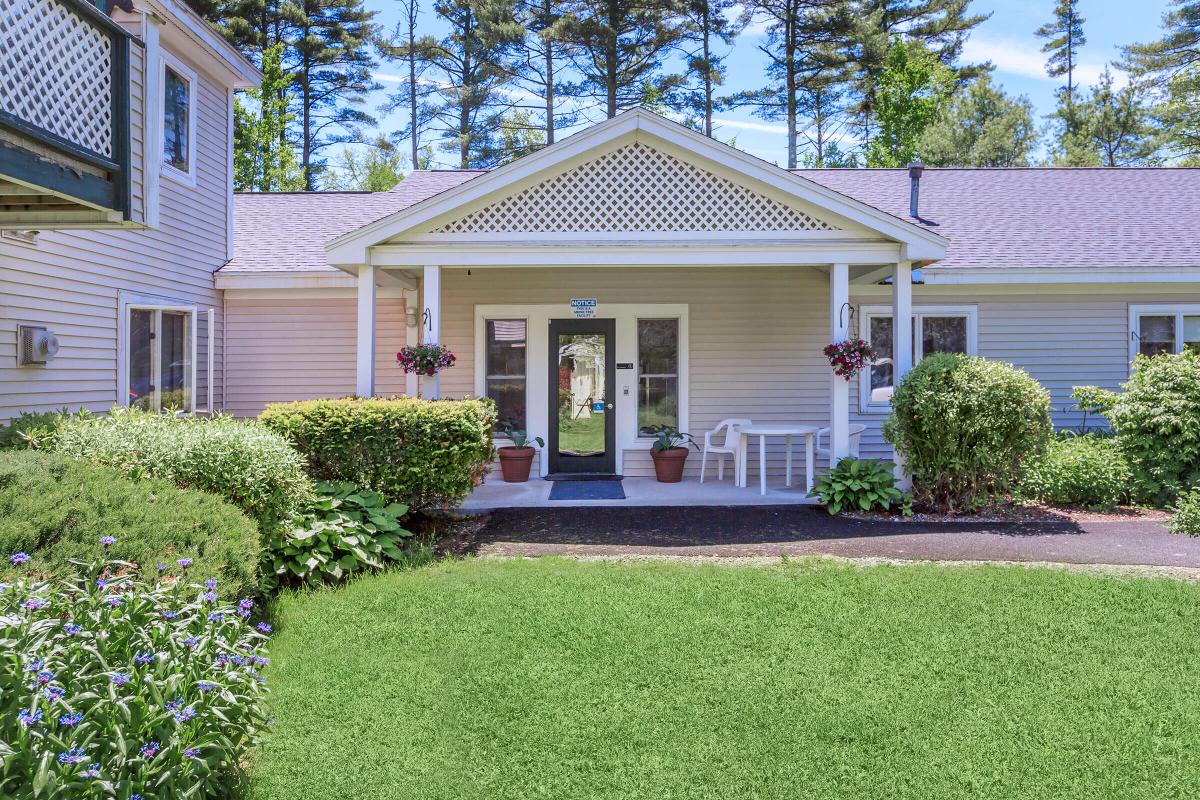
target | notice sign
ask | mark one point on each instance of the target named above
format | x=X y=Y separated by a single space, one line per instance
x=583 y=307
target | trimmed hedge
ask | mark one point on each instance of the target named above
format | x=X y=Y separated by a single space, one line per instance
x=55 y=508
x=1186 y=519
x=1079 y=470
x=424 y=453
x=1157 y=422
x=964 y=425
x=242 y=462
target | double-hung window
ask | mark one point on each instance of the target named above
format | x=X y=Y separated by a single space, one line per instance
x=658 y=375
x=1159 y=329
x=936 y=329
x=505 y=371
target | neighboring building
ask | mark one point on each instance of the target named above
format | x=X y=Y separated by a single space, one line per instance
x=116 y=199
x=718 y=279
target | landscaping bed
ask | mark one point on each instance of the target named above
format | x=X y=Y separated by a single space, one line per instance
x=552 y=678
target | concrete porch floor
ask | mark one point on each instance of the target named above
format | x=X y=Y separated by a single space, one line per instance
x=494 y=493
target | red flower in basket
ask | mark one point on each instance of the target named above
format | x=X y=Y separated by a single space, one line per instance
x=850 y=357
x=425 y=359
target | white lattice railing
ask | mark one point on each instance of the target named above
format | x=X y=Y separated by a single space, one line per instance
x=635 y=188
x=62 y=64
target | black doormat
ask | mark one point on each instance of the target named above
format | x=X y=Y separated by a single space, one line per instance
x=587 y=490
x=583 y=476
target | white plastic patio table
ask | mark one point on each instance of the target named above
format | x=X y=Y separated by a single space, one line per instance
x=787 y=431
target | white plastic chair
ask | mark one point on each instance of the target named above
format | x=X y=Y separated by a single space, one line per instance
x=729 y=447
x=856 y=432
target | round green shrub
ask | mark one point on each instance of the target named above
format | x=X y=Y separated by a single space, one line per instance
x=1187 y=514
x=55 y=508
x=964 y=425
x=1157 y=422
x=240 y=461
x=1079 y=471
x=423 y=453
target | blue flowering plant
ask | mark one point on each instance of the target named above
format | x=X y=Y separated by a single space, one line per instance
x=115 y=687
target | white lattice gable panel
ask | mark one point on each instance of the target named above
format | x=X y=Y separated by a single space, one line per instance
x=56 y=72
x=635 y=189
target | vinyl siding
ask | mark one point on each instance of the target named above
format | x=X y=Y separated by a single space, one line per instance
x=302 y=347
x=70 y=281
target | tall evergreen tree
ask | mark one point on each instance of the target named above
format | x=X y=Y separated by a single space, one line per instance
x=1111 y=128
x=541 y=63
x=1064 y=38
x=476 y=72
x=264 y=159
x=332 y=74
x=1179 y=114
x=1170 y=70
x=416 y=93
x=618 y=47
x=912 y=89
x=982 y=127
x=708 y=27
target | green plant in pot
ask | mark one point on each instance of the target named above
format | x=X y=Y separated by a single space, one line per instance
x=669 y=452
x=515 y=459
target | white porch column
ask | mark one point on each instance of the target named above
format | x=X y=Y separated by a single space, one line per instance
x=432 y=291
x=902 y=338
x=839 y=387
x=365 y=344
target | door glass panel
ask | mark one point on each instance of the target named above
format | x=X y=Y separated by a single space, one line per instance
x=141 y=364
x=1156 y=335
x=658 y=375
x=581 y=394
x=175 y=362
x=1191 y=334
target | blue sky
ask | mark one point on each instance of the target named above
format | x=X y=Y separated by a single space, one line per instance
x=1006 y=39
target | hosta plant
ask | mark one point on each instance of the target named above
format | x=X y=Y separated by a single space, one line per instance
x=859 y=484
x=115 y=688
x=344 y=531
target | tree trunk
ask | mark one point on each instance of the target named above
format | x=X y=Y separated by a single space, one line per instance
x=790 y=69
x=549 y=92
x=412 y=84
x=708 y=127
x=610 y=56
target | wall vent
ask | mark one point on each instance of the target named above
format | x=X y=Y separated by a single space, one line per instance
x=35 y=345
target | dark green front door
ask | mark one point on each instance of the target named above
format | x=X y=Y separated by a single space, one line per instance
x=583 y=429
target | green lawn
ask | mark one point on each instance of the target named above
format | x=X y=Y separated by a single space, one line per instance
x=563 y=680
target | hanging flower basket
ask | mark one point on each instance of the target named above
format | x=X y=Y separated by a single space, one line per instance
x=425 y=359
x=850 y=357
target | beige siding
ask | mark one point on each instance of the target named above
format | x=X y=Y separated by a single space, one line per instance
x=70 y=281
x=302 y=347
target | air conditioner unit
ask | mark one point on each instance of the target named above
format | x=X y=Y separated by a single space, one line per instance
x=35 y=345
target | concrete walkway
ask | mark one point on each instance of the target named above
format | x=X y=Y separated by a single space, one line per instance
x=804 y=531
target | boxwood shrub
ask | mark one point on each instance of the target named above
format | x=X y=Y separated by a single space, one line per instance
x=241 y=461
x=54 y=508
x=1079 y=470
x=1186 y=518
x=964 y=425
x=1157 y=421
x=423 y=453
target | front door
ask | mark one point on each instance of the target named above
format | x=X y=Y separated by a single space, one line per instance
x=583 y=427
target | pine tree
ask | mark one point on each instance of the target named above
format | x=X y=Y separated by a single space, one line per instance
x=1064 y=38
x=474 y=60
x=982 y=127
x=1179 y=114
x=377 y=169
x=910 y=94
x=706 y=26
x=618 y=47
x=1169 y=68
x=1111 y=128
x=541 y=64
x=264 y=159
x=332 y=74
x=415 y=94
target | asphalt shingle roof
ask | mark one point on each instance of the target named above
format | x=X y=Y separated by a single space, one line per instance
x=993 y=217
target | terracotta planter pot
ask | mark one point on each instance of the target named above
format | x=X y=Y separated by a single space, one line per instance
x=515 y=462
x=668 y=464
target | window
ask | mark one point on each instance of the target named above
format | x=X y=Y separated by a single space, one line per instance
x=159 y=358
x=936 y=329
x=177 y=119
x=1164 y=329
x=658 y=375
x=505 y=371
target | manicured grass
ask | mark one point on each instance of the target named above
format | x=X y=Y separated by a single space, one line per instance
x=557 y=679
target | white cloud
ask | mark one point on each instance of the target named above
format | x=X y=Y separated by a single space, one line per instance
x=1027 y=60
x=743 y=125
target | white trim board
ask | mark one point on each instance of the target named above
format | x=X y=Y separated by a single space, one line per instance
x=947 y=276
x=537 y=368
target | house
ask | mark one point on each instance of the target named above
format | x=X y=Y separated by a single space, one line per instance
x=638 y=274
x=116 y=204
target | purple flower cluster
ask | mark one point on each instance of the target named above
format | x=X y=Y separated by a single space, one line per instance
x=29 y=716
x=19 y=559
x=34 y=604
x=850 y=357
x=144 y=658
x=184 y=563
x=425 y=359
x=71 y=629
x=53 y=693
x=73 y=756
x=263 y=627
x=150 y=749
x=185 y=714
x=120 y=678
x=107 y=541
x=70 y=720
x=210 y=584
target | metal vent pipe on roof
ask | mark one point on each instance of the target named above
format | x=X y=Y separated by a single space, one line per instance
x=914 y=196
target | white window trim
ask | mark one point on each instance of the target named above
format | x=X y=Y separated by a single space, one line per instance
x=866 y=312
x=188 y=74
x=1177 y=310
x=537 y=320
x=129 y=303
